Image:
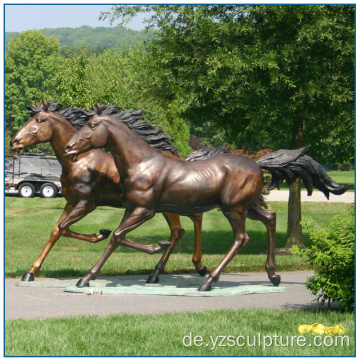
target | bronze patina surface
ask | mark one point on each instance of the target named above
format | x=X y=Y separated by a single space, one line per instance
x=91 y=181
x=152 y=182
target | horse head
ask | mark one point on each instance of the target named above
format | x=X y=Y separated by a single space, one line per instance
x=94 y=134
x=36 y=130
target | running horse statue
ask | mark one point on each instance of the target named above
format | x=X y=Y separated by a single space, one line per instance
x=151 y=182
x=94 y=180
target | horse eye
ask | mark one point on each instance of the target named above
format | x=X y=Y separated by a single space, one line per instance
x=92 y=125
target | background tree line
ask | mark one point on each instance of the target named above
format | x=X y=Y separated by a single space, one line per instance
x=35 y=68
x=268 y=76
x=257 y=76
x=99 y=38
x=252 y=76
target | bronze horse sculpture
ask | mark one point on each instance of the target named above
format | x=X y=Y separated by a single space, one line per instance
x=94 y=179
x=151 y=182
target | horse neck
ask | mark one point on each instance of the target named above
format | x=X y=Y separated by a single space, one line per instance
x=63 y=131
x=127 y=147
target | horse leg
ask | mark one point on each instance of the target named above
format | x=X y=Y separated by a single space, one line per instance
x=55 y=235
x=177 y=233
x=268 y=218
x=130 y=221
x=80 y=210
x=197 y=220
x=237 y=222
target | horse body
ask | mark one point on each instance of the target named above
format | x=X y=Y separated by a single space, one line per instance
x=220 y=182
x=79 y=180
x=100 y=186
x=154 y=183
x=92 y=181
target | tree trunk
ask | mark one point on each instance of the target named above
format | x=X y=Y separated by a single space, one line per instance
x=294 y=229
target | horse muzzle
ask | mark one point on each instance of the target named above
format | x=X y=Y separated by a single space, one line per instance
x=69 y=151
x=15 y=145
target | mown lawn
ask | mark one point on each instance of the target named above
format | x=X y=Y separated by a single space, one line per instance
x=28 y=224
x=341 y=177
x=257 y=332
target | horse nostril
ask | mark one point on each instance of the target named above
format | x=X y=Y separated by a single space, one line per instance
x=68 y=148
x=14 y=142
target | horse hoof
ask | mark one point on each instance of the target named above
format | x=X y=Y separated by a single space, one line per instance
x=28 y=276
x=204 y=287
x=203 y=271
x=275 y=280
x=164 y=244
x=152 y=279
x=105 y=233
x=82 y=283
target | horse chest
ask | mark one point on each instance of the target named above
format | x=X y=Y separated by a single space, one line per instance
x=137 y=184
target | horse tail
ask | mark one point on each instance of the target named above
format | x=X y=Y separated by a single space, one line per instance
x=288 y=165
x=206 y=153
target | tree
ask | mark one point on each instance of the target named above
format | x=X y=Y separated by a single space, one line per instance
x=268 y=75
x=35 y=70
x=122 y=78
x=29 y=72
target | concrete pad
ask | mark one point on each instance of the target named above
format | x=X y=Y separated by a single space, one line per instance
x=172 y=285
x=45 y=302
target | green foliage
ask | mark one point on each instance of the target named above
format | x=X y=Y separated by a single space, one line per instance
x=120 y=78
x=333 y=256
x=268 y=75
x=7 y=137
x=29 y=72
x=98 y=38
x=260 y=76
x=36 y=70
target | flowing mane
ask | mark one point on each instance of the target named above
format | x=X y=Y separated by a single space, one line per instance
x=153 y=135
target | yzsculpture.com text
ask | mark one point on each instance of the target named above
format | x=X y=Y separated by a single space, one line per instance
x=264 y=341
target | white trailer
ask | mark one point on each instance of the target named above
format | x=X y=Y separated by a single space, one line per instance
x=33 y=173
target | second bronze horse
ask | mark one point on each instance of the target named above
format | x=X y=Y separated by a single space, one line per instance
x=151 y=182
x=93 y=180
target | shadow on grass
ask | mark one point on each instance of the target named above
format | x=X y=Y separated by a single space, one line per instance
x=217 y=242
x=66 y=273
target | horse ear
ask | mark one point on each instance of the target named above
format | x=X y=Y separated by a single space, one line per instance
x=45 y=105
x=99 y=108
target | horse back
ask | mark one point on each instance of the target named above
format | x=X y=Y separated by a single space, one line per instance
x=222 y=180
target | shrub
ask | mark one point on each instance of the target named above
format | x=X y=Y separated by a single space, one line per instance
x=333 y=256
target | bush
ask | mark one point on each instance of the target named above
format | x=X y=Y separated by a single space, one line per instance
x=333 y=256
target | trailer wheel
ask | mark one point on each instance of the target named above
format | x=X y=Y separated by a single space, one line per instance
x=27 y=190
x=48 y=190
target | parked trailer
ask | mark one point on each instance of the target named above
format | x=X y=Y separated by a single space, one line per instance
x=33 y=173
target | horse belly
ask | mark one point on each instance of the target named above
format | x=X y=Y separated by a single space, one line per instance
x=195 y=192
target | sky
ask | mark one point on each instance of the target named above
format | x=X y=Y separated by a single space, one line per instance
x=21 y=17
x=36 y=17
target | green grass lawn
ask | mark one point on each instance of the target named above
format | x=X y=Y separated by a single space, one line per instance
x=341 y=177
x=169 y=335
x=28 y=224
